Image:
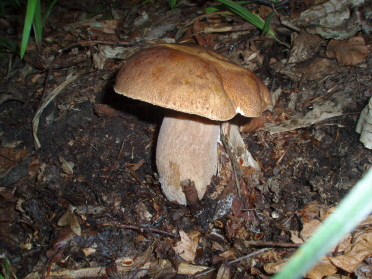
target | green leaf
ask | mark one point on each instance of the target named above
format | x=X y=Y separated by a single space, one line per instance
x=249 y=16
x=172 y=3
x=355 y=207
x=30 y=12
x=47 y=12
x=217 y=8
x=5 y=43
x=267 y=24
x=38 y=27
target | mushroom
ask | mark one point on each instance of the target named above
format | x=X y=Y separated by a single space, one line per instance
x=200 y=88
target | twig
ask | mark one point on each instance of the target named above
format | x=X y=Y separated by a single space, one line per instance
x=281 y=157
x=141 y=229
x=273 y=244
x=120 y=151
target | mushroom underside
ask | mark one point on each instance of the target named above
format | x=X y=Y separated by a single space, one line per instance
x=186 y=149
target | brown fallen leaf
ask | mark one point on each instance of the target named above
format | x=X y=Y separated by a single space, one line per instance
x=88 y=251
x=309 y=212
x=224 y=272
x=304 y=46
x=319 y=68
x=348 y=52
x=273 y=268
x=321 y=269
x=10 y=157
x=186 y=248
x=105 y=26
x=229 y=254
x=309 y=229
x=161 y=268
x=359 y=249
x=67 y=167
x=70 y=219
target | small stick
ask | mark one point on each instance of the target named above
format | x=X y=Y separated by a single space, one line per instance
x=120 y=151
x=273 y=244
x=141 y=229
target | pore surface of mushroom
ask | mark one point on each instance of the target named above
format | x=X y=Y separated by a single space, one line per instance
x=201 y=88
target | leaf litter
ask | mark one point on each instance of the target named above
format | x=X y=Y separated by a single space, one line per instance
x=104 y=215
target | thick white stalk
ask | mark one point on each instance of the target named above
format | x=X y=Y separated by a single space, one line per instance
x=186 y=149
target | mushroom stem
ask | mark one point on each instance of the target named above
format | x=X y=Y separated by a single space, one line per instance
x=186 y=149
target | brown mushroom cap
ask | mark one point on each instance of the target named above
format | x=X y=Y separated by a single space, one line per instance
x=192 y=79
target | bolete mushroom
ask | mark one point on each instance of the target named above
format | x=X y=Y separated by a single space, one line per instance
x=200 y=88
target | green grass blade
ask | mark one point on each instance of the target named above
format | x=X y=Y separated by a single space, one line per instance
x=30 y=12
x=355 y=207
x=218 y=8
x=47 y=12
x=38 y=27
x=209 y=10
x=5 y=43
x=267 y=24
x=172 y=4
x=247 y=15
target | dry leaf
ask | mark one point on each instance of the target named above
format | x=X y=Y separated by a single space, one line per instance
x=348 y=52
x=353 y=255
x=190 y=269
x=273 y=268
x=67 y=167
x=224 y=272
x=322 y=269
x=367 y=221
x=333 y=19
x=309 y=229
x=12 y=144
x=186 y=248
x=10 y=157
x=161 y=268
x=229 y=254
x=88 y=251
x=106 y=26
x=321 y=110
x=295 y=237
x=326 y=212
x=304 y=45
x=309 y=212
x=364 y=125
x=70 y=219
x=318 y=69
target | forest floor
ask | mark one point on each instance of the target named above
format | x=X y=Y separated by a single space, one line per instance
x=88 y=203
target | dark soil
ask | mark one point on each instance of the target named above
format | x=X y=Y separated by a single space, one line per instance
x=114 y=192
